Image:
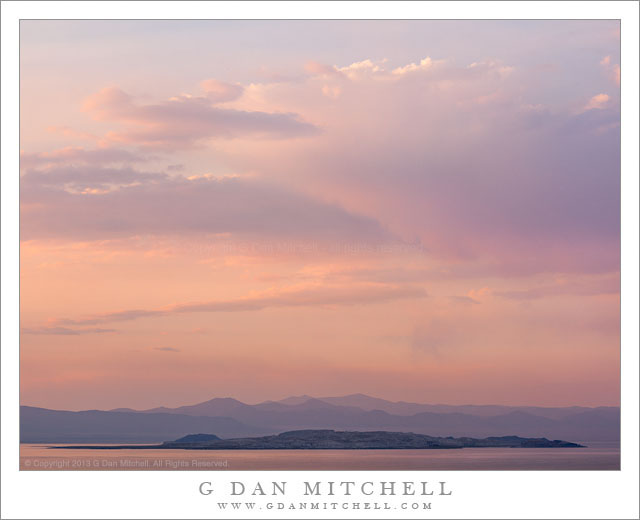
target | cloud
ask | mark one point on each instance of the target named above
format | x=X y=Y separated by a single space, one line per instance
x=63 y=331
x=99 y=203
x=315 y=68
x=166 y=349
x=493 y=67
x=441 y=71
x=383 y=275
x=425 y=64
x=466 y=300
x=77 y=155
x=331 y=92
x=612 y=70
x=75 y=134
x=85 y=179
x=293 y=297
x=479 y=294
x=186 y=121
x=599 y=101
x=360 y=68
x=487 y=164
x=562 y=287
x=615 y=74
x=220 y=92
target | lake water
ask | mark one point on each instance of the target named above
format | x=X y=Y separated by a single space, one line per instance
x=597 y=456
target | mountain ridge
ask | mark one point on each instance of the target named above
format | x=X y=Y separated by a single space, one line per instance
x=229 y=417
x=367 y=403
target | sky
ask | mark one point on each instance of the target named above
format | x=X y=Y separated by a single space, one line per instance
x=425 y=211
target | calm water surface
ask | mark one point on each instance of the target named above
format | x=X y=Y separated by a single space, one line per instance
x=597 y=456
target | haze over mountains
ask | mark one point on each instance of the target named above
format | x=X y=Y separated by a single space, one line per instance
x=228 y=417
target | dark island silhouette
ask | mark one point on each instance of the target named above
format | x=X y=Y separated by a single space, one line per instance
x=341 y=440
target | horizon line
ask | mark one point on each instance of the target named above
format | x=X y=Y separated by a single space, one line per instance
x=310 y=397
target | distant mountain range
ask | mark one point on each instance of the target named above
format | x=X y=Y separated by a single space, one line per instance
x=42 y=425
x=229 y=418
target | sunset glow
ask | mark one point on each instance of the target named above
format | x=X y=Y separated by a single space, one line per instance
x=413 y=210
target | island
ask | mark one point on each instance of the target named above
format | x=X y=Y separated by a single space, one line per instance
x=341 y=440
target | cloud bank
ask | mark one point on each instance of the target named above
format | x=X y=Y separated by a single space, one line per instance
x=95 y=203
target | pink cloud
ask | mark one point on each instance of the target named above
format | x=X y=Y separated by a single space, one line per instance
x=612 y=70
x=63 y=331
x=320 y=69
x=424 y=64
x=75 y=134
x=364 y=66
x=292 y=297
x=616 y=74
x=599 y=101
x=588 y=287
x=186 y=121
x=220 y=92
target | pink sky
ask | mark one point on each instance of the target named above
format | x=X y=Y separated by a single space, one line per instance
x=233 y=210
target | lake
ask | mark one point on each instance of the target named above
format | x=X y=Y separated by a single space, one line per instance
x=597 y=456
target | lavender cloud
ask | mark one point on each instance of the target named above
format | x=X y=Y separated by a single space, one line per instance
x=79 y=156
x=467 y=159
x=146 y=203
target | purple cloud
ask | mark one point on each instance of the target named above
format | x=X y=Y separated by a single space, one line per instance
x=158 y=204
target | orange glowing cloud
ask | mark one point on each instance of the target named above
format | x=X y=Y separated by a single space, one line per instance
x=598 y=102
